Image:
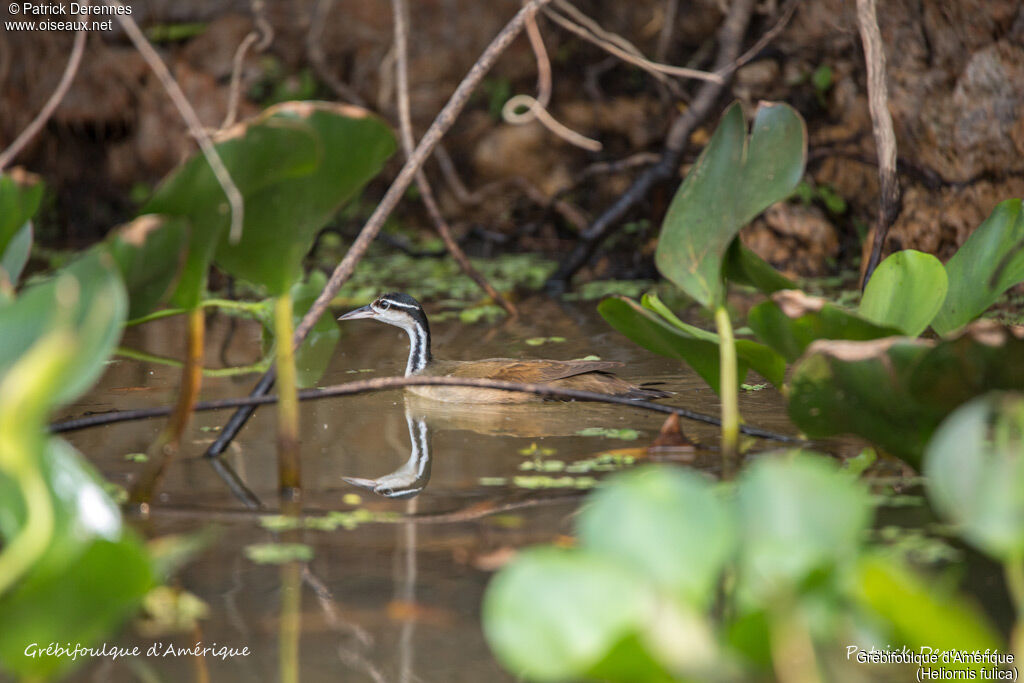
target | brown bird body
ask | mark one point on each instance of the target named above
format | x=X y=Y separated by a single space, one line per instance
x=403 y=311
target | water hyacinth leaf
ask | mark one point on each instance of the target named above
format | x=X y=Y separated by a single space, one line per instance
x=863 y=388
x=798 y=514
x=975 y=473
x=744 y=267
x=665 y=523
x=352 y=146
x=895 y=392
x=989 y=262
x=698 y=349
x=89 y=295
x=920 y=614
x=259 y=154
x=20 y=195
x=553 y=614
x=905 y=291
x=15 y=256
x=149 y=252
x=314 y=354
x=732 y=182
x=792 y=320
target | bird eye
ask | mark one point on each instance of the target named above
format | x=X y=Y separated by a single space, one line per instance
x=384 y=304
x=385 y=491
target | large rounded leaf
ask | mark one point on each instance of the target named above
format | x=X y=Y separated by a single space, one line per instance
x=792 y=320
x=90 y=296
x=282 y=220
x=665 y=523
x=989 y=262
x=905 y=291
x=149 y=252
x=798 y=514
x=732 y=182
x=555 y=614
x=20 y=194
x=974 y=469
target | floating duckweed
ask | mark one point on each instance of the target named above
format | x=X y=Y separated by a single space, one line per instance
x=536 y=451
x=278 y=553
x=493 y=481
x=537 y=341
x=279 y=522
x=624 y=434
x=209 y=428
x=117 y=493
x=136 y=457
x=539 y=481
x=543 y=465
x=605 y=462
x=351 y=499
x=754 y=387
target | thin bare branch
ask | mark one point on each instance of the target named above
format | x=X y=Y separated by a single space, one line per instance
x=885 y=136
x=319 y=62
x=386 y=383
x=70 y=69
x=615 y=45
x=195 y=126
x=401 y=26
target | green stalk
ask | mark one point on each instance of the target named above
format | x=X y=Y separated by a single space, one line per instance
x=1013 y=569
x=31 y=542
x=289 y=626
x=728 y=387
x=288 y=464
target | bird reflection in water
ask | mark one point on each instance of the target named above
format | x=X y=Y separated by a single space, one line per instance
x=412 y=477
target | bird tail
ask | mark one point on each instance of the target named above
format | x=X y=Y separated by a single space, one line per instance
x=646 y=392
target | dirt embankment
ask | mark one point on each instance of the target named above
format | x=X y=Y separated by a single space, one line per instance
x=956 y=73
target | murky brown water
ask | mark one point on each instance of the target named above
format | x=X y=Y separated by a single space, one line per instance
x=386 y=601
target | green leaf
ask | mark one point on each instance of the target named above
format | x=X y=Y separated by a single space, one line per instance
x=920 y=614
x=697 y=348
x=315 y=353
x=975 y=474
x=798 y=514
x=16 y=255
x=732 y=182
x=792 y=320
x=744 y=267
x=905 y=291
x=89 y=292
x=665 y=523
x=149 y=253
x=555 y=614
x=895 y=392
x=352 y=146
x=259 y=154
x=20 y=195
x=993 y=251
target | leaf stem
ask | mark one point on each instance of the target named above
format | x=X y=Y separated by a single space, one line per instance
x=288 y=464
x=1013 y=569
x=21 y=553
x=728 y=387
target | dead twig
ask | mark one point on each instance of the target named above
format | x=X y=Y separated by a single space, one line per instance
x=386 y=383
x=195 y=126
x=730 y=36
x=426 y=192
x=589 y=30
x=444 y=121
x=885 y=136
x=316 y=55
x=66 y=78
x=535 y=108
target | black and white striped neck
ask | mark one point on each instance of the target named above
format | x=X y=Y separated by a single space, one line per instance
x=419 y=345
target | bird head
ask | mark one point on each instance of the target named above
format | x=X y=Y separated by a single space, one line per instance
x=395 y=308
